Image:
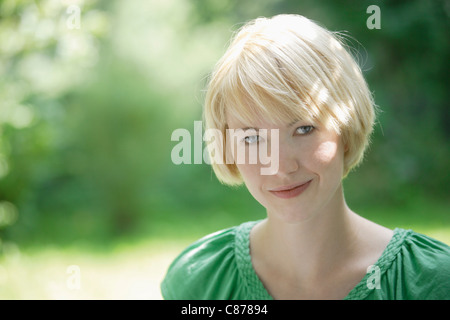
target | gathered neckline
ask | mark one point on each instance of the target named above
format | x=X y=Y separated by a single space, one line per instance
x=256 y=289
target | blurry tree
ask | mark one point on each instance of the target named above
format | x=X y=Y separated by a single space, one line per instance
x=43 y=57
x=87 y=113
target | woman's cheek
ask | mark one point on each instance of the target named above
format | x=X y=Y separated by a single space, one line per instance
x=253 y=180
x=326 y=152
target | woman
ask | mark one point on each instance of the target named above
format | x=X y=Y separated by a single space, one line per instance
x=289 y=86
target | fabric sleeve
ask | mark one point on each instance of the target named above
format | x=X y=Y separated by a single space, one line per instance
x=204 y=270
x=415 y=267
x=428 y=272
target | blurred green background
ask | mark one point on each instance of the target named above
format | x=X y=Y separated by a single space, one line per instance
x=88 y=104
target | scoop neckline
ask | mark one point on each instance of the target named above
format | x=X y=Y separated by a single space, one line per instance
x=256 y=289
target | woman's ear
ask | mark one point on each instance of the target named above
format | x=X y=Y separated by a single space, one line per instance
x=344 y=142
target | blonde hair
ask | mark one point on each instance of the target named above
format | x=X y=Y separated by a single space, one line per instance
x=288 y=68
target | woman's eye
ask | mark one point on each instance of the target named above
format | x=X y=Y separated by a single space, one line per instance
x=304 y=129
x=251 y=139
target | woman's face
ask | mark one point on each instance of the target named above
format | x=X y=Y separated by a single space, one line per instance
x=309 y=172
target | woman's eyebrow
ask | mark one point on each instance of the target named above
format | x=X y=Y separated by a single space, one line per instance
x=248 y=128
x=293 y=122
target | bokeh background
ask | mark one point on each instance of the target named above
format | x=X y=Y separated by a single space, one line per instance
x=88 y=106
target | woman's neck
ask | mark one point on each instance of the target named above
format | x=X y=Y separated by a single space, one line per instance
x=335 y=245
x=309 y=247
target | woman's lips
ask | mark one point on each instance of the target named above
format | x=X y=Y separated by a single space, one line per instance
x=290 y=191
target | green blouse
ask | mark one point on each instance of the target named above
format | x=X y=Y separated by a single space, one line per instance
x=219 y=267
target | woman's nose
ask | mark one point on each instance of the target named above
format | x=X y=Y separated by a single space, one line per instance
x=288 y=162
x=284 y=160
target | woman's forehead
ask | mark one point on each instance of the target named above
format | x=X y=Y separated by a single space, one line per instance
x=258 y=122
x=235 y=119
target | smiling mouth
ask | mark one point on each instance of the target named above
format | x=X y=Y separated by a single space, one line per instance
x=288 y=192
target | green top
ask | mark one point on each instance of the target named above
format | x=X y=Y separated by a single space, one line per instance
x=219 y=267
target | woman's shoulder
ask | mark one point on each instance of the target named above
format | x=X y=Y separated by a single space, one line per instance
x=420 y=267
x=413 y=266
x=205 y=268
x=425 y=250
x=427 y=262
x=432 y=255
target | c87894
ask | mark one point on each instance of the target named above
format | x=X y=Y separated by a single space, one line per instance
x=246 y=309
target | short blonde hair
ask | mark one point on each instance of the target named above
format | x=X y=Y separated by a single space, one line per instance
x=288 y=68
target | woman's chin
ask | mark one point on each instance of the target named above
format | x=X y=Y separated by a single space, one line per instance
x=291 y=216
